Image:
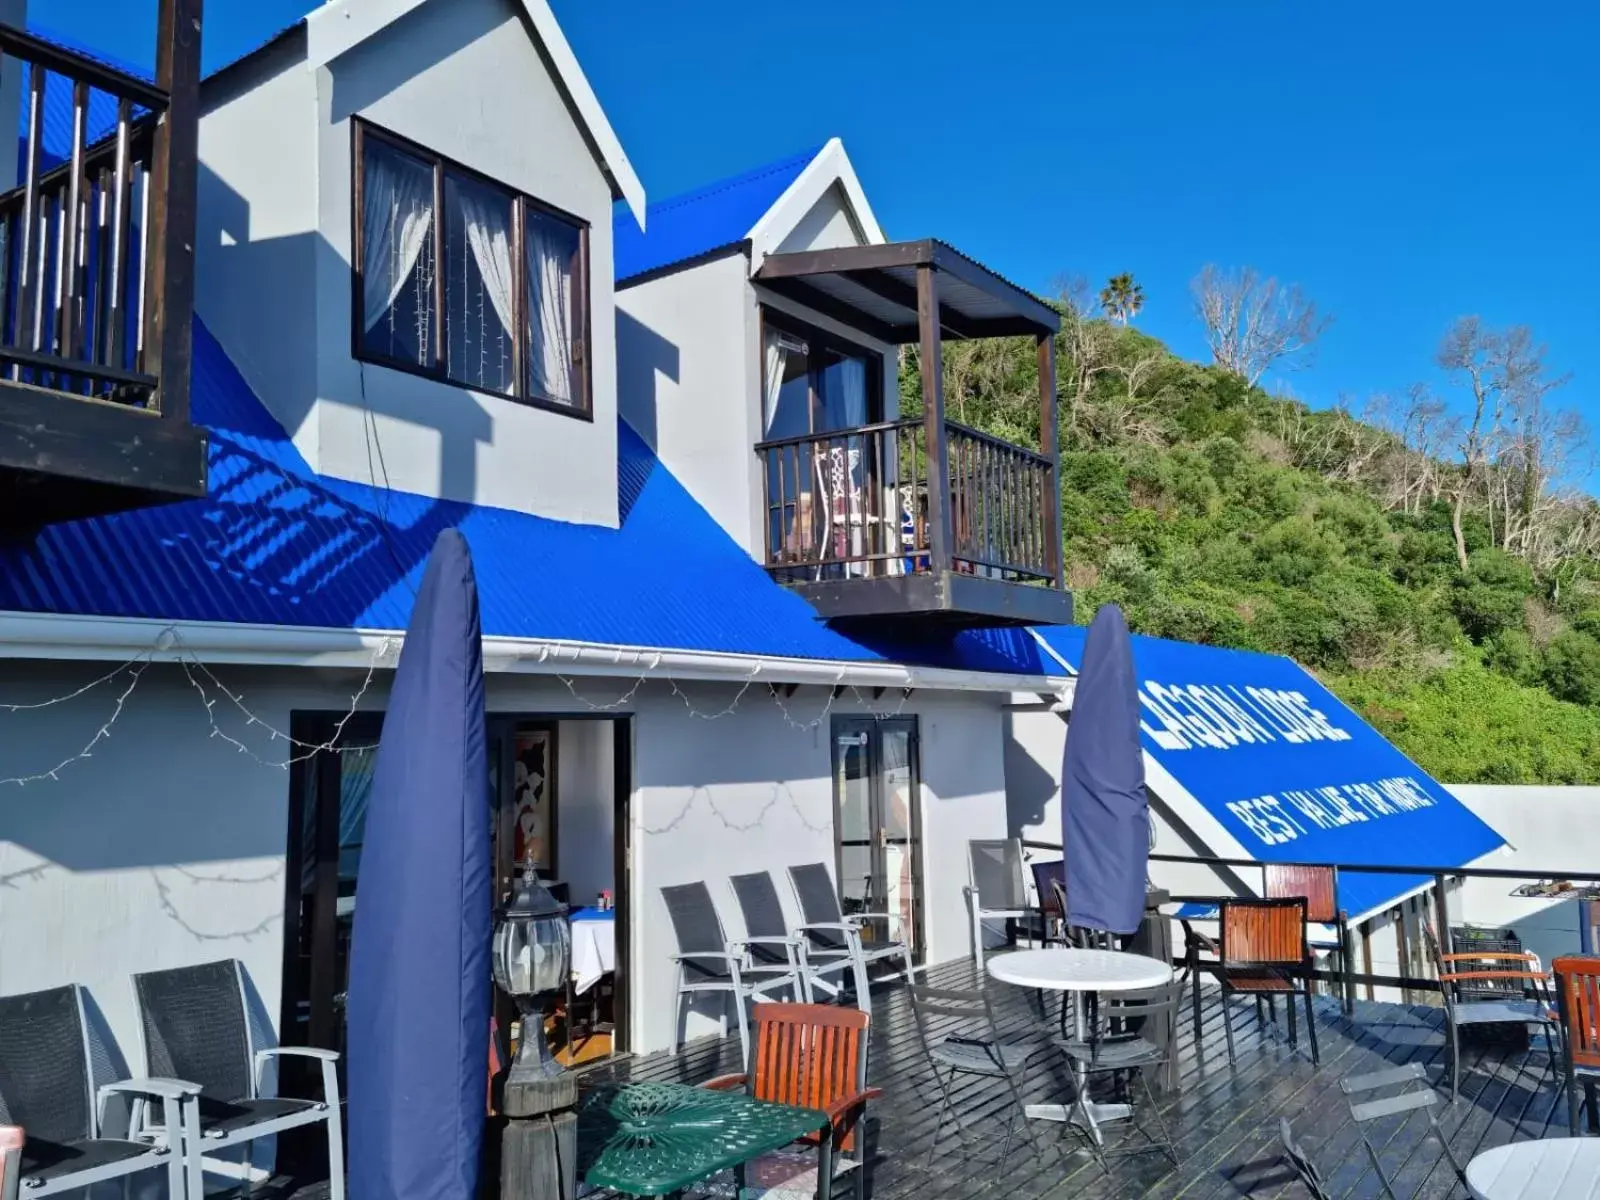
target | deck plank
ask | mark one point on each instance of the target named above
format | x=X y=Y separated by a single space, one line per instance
x=1224 y=1118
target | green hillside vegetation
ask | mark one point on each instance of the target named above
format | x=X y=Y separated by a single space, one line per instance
x=1214 y=512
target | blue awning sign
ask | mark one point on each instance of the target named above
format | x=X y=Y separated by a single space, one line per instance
x=1251 y=749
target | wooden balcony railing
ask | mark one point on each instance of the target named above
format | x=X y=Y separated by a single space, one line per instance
x=90 y=300
x=855 y=503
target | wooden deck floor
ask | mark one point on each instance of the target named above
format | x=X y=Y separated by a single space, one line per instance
x=1225 y=1121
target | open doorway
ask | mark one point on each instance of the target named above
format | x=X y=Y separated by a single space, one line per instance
x=559 y=788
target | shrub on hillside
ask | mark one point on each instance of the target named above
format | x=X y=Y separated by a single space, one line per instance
x=1572 y=667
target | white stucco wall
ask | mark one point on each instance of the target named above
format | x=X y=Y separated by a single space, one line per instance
x=166 y=846
x=690 y=369
x=163 y=848
x=257 y=239
x=689 y=383
x=463 y=78
x=828 y=225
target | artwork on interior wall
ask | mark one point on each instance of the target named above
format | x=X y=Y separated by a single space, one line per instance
x=532 y=789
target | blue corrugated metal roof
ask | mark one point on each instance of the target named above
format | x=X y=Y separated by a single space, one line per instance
x=696 y=223
x=274 y=543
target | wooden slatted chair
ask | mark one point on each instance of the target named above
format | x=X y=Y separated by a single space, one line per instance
x=1578 y=994
x=1262 y=952
x=813 y=1056
x=1319 y=886
x=1462 y=978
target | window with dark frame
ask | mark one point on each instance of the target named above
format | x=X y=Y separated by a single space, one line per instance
x=464 y=280
x=815 y=382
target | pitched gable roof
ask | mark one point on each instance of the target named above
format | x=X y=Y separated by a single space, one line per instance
x=760 y=207
x=699 y=223
x=334 y=26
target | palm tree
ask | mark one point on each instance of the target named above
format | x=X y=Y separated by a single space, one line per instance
x=1122 y=298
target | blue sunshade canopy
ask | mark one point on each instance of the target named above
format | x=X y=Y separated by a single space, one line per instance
x=1289 y=772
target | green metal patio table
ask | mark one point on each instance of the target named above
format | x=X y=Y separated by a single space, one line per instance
x=656 y=1139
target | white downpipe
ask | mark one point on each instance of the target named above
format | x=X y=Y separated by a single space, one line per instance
x=55 y=636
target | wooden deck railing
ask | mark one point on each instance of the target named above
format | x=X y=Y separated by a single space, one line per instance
x=853 y=503
x=85 y=282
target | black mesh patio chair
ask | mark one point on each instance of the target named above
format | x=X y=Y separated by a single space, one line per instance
x=194 y=1023
x=770 y=943
x=829 y=932
x=708 y=963
x=1114 y=1044
x=1302 y=1164
x=997 y=889
x=46 y=1087
x=1408 y=1092
x=967 y=1041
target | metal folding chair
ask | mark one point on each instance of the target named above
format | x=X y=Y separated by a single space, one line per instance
x=1301 y=1162
x=1409 y=1093
x=973 y=1047
x=1112 y=1047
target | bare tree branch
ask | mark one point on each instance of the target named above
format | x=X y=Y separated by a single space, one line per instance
x=1254 y=323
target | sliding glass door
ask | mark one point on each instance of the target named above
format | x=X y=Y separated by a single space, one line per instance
x=877 y=819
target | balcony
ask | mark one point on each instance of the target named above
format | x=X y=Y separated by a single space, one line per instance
x=922 y=520
x=96 y=281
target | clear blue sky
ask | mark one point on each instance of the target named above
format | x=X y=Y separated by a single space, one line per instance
x=1405 y=162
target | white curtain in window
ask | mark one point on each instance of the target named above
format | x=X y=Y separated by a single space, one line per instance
x=852 y=393
x=487 y=219
x=775 y=358
x=550 y=255
x=489 y=234
x=397 y=220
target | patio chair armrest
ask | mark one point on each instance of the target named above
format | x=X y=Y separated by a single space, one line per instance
x=1195 y=940
x=770 y=941
x=161 y=1087
x=326 y=1058
x=729 y=955
x=297 y=1052
x=850 y=934
x=165 y=1090
x=726 y=1083
x=849 y=1106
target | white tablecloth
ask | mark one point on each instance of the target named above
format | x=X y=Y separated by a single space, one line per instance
x=1553 y=1169
x=594 y=951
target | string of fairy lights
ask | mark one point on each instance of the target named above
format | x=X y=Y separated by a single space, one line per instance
x=213 y=692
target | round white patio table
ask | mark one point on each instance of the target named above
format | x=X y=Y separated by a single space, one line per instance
x=1553 y=1169
x=1071 y=970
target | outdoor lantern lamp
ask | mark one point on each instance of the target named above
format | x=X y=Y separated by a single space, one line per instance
x=532 y=956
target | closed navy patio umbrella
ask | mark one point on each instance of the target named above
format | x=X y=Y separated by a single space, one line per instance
x=419 y=961
x=1104 y=813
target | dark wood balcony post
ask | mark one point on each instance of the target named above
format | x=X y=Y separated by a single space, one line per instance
x=169 y=239
x=931 y=358
x=1050 y=447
